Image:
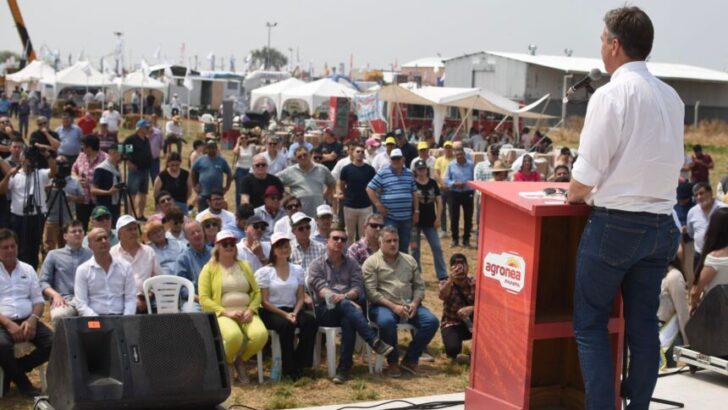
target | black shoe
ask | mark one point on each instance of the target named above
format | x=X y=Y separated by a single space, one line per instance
x=466 y=245
x=28 y=390
x=382 y=348
x=341 y=377
x=454 y=244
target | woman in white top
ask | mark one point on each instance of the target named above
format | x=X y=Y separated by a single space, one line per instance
x=243 y=161
x=281 y=284
x=713 y=269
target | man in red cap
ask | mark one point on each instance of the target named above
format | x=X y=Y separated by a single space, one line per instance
x=271 y=210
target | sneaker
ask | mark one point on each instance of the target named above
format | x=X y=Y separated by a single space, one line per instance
x=394 y=371
x=411 y=368
x=454 y=244
x=382 y=348
x=427 y=357
x=340 y=378
x=462 y=359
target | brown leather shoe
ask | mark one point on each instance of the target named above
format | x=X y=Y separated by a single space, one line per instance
x=411 y=368
x=394 y=371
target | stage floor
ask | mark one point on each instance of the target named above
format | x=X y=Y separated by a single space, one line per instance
x=701 y=391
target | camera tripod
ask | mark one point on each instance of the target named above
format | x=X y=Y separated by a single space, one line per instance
x=124 y=195
x=58 y=195
x=30 y=226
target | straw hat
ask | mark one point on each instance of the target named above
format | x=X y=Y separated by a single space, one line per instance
x=499 y=166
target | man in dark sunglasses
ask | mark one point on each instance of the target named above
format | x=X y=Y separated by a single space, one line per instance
x=290 y=205
x=369 y=243
x=303 y=249
x=253 y=185
x=271 y=211
x=252 y=248
x=277 y=161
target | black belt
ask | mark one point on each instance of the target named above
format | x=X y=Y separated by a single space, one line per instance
x=610 y=211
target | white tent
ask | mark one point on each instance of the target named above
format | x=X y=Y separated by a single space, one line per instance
x=274 y=92
x=81 y=74
x=316 y=93
x=36 y=71
x=136 y=80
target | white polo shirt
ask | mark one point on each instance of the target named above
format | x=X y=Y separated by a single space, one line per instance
x=19 y=291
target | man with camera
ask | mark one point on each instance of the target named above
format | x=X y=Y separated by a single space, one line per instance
x=61 y=208
x=106 y=183
x=139 y=161
x=26 y=185
x=44 y=137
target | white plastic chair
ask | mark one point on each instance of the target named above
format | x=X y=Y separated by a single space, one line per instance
x=330 y=333
x=19 y=349
x=166 y=289
x=401 y=327
x=275 y=350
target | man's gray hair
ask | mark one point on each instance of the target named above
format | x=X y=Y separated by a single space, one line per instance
x=257 y=156
x=190 y=223
x=373 y=216
x=388 y=230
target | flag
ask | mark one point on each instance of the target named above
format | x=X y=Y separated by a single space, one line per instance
x=144 y=67
x=187 y=83
x=156 y=53
x=87 y=69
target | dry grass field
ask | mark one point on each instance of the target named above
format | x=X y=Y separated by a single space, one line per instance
x=439 y=376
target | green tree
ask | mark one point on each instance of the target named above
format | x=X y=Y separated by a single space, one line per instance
x=275 y=59
x=5 y=54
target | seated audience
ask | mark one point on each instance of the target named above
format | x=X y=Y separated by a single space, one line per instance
x=173 y=222
x=211 y=225
x=673 y=311
x=167 y=251
x=713 y=266
x=252 y=248
x=216 y=207
x=369 y=243
x=291 y=205
x=101 y=218
x=527 y=172
x=305 y=250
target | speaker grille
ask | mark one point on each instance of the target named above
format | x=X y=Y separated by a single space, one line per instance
x=179 y=368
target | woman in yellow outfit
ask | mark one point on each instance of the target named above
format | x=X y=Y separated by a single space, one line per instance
x=228 y=288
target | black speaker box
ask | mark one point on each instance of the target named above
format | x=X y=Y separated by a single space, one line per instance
x=138 y=362
x=708 y=328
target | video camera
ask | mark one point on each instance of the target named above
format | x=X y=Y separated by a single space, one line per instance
x=63 y=171
x=35 y=155
x=125 y=150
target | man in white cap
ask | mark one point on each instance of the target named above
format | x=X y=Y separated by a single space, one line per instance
x=252 y=248
x=324 y=218
x=113 y=118
x=141 y=257
x=106 y=138
x=303 y=249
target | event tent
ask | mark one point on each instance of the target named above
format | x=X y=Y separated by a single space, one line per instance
x=36 y=71
x=316 y=93
x=440 y=98
x=137 y=80
x=81 y=74
x=273 y=92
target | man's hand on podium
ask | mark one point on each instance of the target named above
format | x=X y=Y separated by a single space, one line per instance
x=577 y=192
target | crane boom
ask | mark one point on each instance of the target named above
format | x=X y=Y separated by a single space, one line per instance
x=28 y=52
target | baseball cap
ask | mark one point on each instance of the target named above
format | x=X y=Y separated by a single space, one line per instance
x=125 y=220
x=279 y=236
x=100 y=211
x=447 y=144
x=390 y=140
x=422 y=145
x=142 y=123
x=373 y=142
x=254 y=220
x=323 y=210
x=299 y=217
x=271 y=190
x=224 y=234
x=420 y=164
x=211 y=142
x=208 y=216
x=396 y=153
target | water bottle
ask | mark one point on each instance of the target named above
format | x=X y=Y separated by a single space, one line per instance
x=275 y=370
x=329 y=304
x=403 y=320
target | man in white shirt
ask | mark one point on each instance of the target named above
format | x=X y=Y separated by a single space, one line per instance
x=215 y=204
x=277 y=159
x=113 y=118
x=252 y=248
x=630 y=155
x=699 y=216
x=173 y=134
x=104 y=285
x=143 y=260
x=21 y=306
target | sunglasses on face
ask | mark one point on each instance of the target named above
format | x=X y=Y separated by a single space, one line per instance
x=227 y=244
x=259 y=226
x=376 y=226
x=291 y=207
x=341 y=239
x=210 y=225
x=301 y=156
x=165 y=200
x=318 y=158
x=272 y=143
x=303 y=228
x=260 y=165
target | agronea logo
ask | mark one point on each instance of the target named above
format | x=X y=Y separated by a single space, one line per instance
x=507 y=268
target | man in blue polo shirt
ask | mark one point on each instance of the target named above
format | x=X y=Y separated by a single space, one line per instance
x=394 y=195
x=457 y=175
x=207 y=173
x=70 y=136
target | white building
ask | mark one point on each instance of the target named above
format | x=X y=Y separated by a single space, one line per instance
x=526 y=78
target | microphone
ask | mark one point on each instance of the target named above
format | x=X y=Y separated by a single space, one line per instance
x=594 y=75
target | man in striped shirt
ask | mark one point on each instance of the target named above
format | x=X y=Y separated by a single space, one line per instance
x=394 y=195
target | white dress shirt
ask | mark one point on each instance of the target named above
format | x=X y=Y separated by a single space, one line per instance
x=17 y=190
x=144 y=263
x=19 y=291
x=631 y=146
x=97 y=292
x=227 y=218
x=246 y=254
x=697 y=223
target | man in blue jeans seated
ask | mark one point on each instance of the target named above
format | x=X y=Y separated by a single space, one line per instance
x=395 y=289
x=338 y=287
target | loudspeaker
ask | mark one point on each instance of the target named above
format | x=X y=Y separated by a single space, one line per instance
x=138 y=362
x=707 y=328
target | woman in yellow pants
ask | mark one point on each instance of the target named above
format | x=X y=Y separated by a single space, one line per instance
x=227 y=287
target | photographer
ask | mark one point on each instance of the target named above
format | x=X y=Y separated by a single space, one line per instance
x=26 y=186
x=458 y=296
x=44 y=137
x=106 y=182
x=60 y=211
x=83 y=170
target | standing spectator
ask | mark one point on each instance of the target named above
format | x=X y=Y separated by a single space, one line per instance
x=173 y=134
x=139 y=163
x=311 y=183
x=58 y=272
x=372 y=146
x=441 y=164
x=198 y=151
x=156 y=142
x=457 y=293
x=14 y=102
x=423 y=153
x=271 y=210
x=21 y=307
x=408 y=150
x=527 y=172
x=44 y=138
x=87 y=123
x=304 y=250
x=60 y=211
x=207 y=175
x=701 y=165
x=381 y=160
x=105 y=183
x=277 y=160
x=106 y=138
x=282 y=288
x=70 y=136
x=369 y=243
x=352 y=184
x=395 y=289
x=699 y=216
x=458 y=173
x=23 y=117
x=338 y=286
x=228 y=288
x=113 y=120
x=149 y=104
x=254 y=184
x=429 y=196
x=175 y=180
x=142 y=258
x=100 y=97
x=44 y=108
x=243 y=159
x=331 y=150
x=291 y=205
x=135 y=102
x=4 y=105
x=298 y=140
x=195 y=256
x=83 y=169
x=215 y=207
x=167 y=251
x=104 y=284
x=394 y=195
x=175 y=104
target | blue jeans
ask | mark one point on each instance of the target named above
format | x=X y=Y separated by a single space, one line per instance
x=137 y=182
x=424 y=321
x=239 y=174
x=352 y=321
x=627 y=251
x=404 y=230
x=434 y=240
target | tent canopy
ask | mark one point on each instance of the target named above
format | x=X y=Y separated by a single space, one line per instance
x=274 y=92
x=318 y=92
x=36 y=71
x=137 y=79
x=81 y=74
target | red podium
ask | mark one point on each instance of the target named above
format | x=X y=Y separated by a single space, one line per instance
x=524 y=353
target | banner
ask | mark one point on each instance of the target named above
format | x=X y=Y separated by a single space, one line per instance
x=367 y=107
